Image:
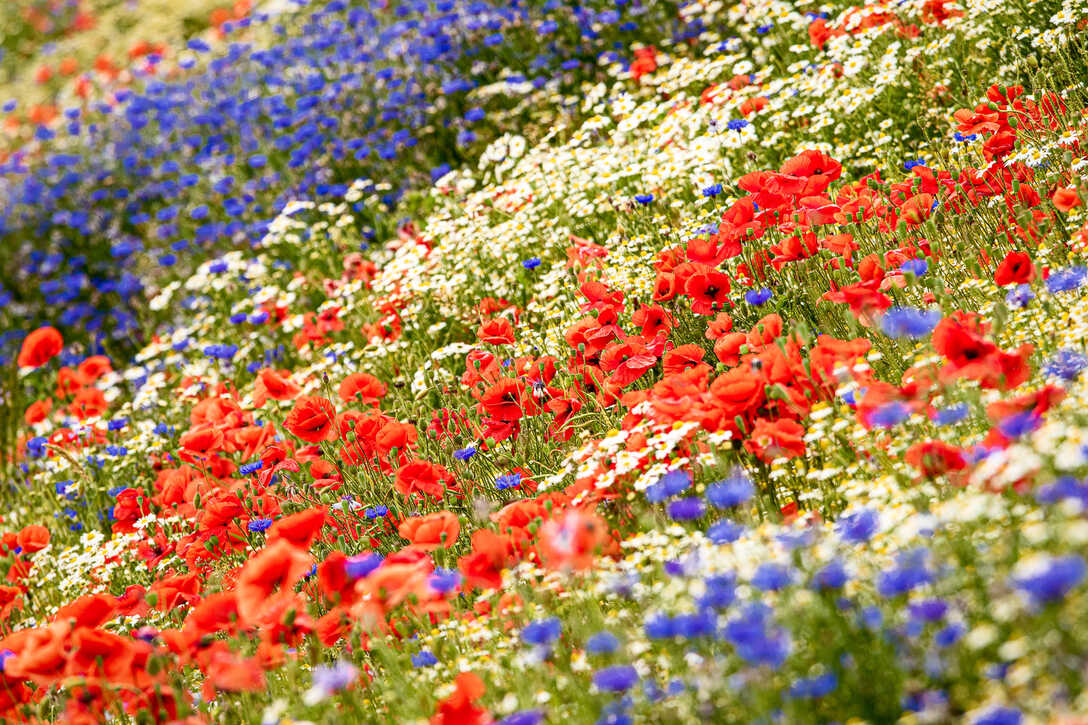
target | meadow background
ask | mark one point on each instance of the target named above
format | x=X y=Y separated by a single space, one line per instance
x=463 y=362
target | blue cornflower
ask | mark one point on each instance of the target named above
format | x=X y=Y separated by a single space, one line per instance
x=618 y=678
x=910 y=572
x=257 y=525
x=859 y=526
x=36 y=446
x=890 y=414
x=249 y=468
x=1067 y=279
x=463 y=454
x=667 y=486
x=755 y=639
x=732 y=491
x=917 y=267
x=357 y=567
x=1019 y=296
x=686 y=509
x=424 y=659
x=1066 y=364
x=736 y=124
x=542 y=631
x=1050 y=578
x=1064 y=488
x=911 y=163
x=1019 y=424
x=909 y=322
x=444 y=580
x=524 y=717
x=830 y=576
x=602 y=643
x=720 y=591
x=757 y=297
x=712 y=190
x=510 y=480
x=328 y=680
x=659 y=626
x=949 y=635
x=951 y=414
x=644 y=198
x=814 y=687
x=531 y=263
x=770 y=577
x=724 y=532
x=998 y=716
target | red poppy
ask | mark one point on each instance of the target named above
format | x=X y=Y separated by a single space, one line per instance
x=202 y=440
x=1065 y=199
x=460 y=708
x=496 y=331
x=572 y=541
x=491 y=553
x=1016 y=268
x=94 y=367
x=34 y=537
x=627 y=362
x=40 y=347
x=37 y=411
x=505 y=400
x=275 y=385
x=935 y=458
x=361 y=387
x=438 y=530
x=684 y=358
x=422 y=477
x=776 y=439
x=300 y=529
x=708 y=289
x=311 y=419
x=272 y=572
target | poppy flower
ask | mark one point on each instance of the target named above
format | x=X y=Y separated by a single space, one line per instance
x=34 y=537
x=708 y=289
x=917 y=209
x=422 y=477
x=781 y=438
x=935 y=458
x=273 y=572
x=300 y=529
x=274 y=385
x=491 y=553
x=361 y=387
x=230 y=673
x=627 y=362
x=652 y=319
x=1016 y=268
x=37 y=411
x=683 y=358
x=202 y=440
x=505 y=400
x=460 y=707
x=94 y=367
x=1066 y=199
x=572 y=540
x=496 y=331
x=438 y=530
x=40 y=347
x=69 y=382
x=311 y=419
x=91 y=610
x=817 y=168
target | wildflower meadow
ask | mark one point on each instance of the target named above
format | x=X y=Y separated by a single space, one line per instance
x=530 y=362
